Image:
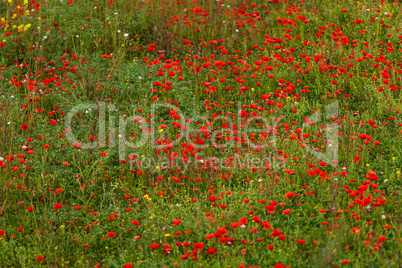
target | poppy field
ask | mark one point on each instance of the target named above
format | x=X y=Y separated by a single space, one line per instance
x=200 y=133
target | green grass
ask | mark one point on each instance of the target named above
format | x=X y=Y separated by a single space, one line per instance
x=217 y=114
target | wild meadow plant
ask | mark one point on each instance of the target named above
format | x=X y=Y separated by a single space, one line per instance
x=200 y=133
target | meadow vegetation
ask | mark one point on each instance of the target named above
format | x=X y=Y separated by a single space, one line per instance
x=200 y=133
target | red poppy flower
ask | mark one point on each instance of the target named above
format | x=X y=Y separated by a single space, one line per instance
x=24 y=126
x=154 y=246
x=77 y=145
x=286 y=211
x=176 y=222
x=211 y=251
x=289 y=195
x=300 y=241
x=198 y=245
x=111 y=234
